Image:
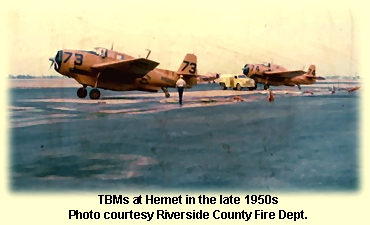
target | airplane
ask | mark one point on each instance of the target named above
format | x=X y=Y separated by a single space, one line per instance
x=111 y=70
x=209 y=77
x=275 y=75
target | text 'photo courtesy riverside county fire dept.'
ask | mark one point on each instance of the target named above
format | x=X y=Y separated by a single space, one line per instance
x=162 y=112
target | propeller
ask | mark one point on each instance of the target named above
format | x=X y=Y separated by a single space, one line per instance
x=53 y=62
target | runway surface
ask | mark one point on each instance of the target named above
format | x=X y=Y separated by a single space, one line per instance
x=140 y=141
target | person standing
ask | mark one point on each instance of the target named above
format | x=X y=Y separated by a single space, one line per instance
x=180 y=85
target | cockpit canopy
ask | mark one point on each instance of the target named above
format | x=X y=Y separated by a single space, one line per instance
x=266 y=64
x=103 y=52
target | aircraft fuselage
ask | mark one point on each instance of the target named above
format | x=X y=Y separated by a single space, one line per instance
x=275 y=75
x=77 y=64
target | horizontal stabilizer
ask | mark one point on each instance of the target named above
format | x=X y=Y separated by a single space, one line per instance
x=315 y=77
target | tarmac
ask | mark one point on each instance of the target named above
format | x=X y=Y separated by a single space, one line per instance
x=138 y=140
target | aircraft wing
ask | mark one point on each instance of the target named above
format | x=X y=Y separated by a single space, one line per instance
x=134 y=68
x=285 y=74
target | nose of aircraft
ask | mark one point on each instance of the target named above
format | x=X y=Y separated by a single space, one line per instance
x=56 y=61
x=246 y=69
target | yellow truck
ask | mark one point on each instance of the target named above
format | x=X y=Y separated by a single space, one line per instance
x=235 y=81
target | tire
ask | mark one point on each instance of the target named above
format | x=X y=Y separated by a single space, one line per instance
x=238 y=87
x=81 y=92
x=223 y=86
x=266 y=86
x=94 y=94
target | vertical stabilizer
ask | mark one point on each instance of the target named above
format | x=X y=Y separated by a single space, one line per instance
x=188 y=65
x=311 y=70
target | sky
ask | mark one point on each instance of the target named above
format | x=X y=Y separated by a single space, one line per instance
x=224 y=35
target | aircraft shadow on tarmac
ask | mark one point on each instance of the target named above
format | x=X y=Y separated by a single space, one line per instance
x=127 y=98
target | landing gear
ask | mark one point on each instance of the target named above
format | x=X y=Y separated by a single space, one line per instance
x=299 y=87
x=266 y=86
x=94 y=93
x=166 y=93
x=82 y=92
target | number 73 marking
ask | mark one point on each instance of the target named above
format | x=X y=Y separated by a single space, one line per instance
x=78 y=58
x=193 y=66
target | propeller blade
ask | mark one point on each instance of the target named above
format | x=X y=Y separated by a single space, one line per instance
x=53 y=62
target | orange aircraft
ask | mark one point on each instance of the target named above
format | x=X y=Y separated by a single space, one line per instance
x=112 y=70
x=275 y=75
x=210 y=77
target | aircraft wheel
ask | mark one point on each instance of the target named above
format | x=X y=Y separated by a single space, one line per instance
x=223 y=86
x=94 y=94
x=238 y=87
x=167 y=95
x=251 y=88
x=266 y=86
x=81 y=92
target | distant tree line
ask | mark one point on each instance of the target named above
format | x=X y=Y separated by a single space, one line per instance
x=343 y=77
x=32 y=76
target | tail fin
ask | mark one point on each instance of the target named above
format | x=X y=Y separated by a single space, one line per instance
x=188 y=66
x=311 y=73
x=311 y=70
